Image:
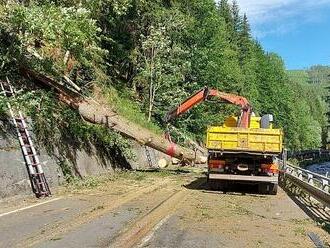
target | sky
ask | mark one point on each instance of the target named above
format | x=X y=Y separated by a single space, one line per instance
x=298 y=30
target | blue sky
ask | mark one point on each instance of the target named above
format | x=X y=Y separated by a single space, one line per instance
x=298 y=30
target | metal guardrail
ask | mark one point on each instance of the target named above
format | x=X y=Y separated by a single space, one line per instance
x=316 y=185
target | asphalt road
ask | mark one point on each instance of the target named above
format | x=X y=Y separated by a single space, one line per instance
x=150 y=209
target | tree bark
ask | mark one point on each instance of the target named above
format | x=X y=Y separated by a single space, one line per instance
x=100 y=114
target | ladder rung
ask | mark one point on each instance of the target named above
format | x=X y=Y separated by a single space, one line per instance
x=30 y=155
x=44 y=193
x=35 y=164
x=25 y=137
x=25 y=134
x=25 y=130
x=21 y=128
x=39 y=182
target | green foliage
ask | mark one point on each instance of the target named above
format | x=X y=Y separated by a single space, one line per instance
x=319 y=74
x=309 y=109
x=53 y=39
x=161 y=68
x=148 y=56
x=3 y=107
x=62 y=131
x=123 y=105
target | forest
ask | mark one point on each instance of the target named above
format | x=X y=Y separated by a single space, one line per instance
x=146 y=56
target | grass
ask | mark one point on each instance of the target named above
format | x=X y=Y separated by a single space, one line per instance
x=127 y=108
x=168 y=172
x=132 y=175
x=326 y=226
x=100 y=207
x=91 y=182
x=239 y=210
x=260 y=243
x=300 y=221
x=56 y=238
x=299 y=231
x=203 y=212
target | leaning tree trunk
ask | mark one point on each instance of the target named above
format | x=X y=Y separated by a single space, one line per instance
x=101 y=114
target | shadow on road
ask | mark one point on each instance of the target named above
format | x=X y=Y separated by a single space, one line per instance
x=232 y=189
x=170 y=171
x=314 y=210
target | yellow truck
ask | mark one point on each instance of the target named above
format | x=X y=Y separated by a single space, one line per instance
x=244 y=155
x=243 y=149
x=253 y=139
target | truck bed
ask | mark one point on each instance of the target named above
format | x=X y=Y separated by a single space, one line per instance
x=244 y=140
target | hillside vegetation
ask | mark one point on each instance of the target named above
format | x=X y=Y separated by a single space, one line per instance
x=310 y=86
x=148 y=56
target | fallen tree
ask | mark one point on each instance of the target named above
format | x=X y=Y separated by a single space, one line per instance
x=98 y=113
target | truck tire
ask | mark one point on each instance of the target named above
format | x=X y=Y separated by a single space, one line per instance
x=212 y=184
x=217 y=185
x=273 y=189
x=262 y=188
x=267 y=188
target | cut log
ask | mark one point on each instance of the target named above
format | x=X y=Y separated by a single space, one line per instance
x=162 y=163
x=102 y=114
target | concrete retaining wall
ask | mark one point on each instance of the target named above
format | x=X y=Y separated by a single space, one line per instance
x=13 y=174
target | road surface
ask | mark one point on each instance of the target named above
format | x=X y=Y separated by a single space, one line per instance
x=156 y=209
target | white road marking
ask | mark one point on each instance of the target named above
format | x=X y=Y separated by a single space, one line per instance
x=28 y=207
x=146 y=239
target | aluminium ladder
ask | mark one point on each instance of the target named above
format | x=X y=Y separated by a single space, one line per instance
x=36 y=175
x=148 y=155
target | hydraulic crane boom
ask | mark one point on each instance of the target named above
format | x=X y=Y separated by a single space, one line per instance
x=237 y=155
x=205 y=94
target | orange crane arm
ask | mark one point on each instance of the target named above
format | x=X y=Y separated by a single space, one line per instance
x=205 y=94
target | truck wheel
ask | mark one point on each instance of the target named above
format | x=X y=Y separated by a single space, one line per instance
x=273 y=189
x=267 y=188
x=218 y=185
x=262 y=188
x=213 y=184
